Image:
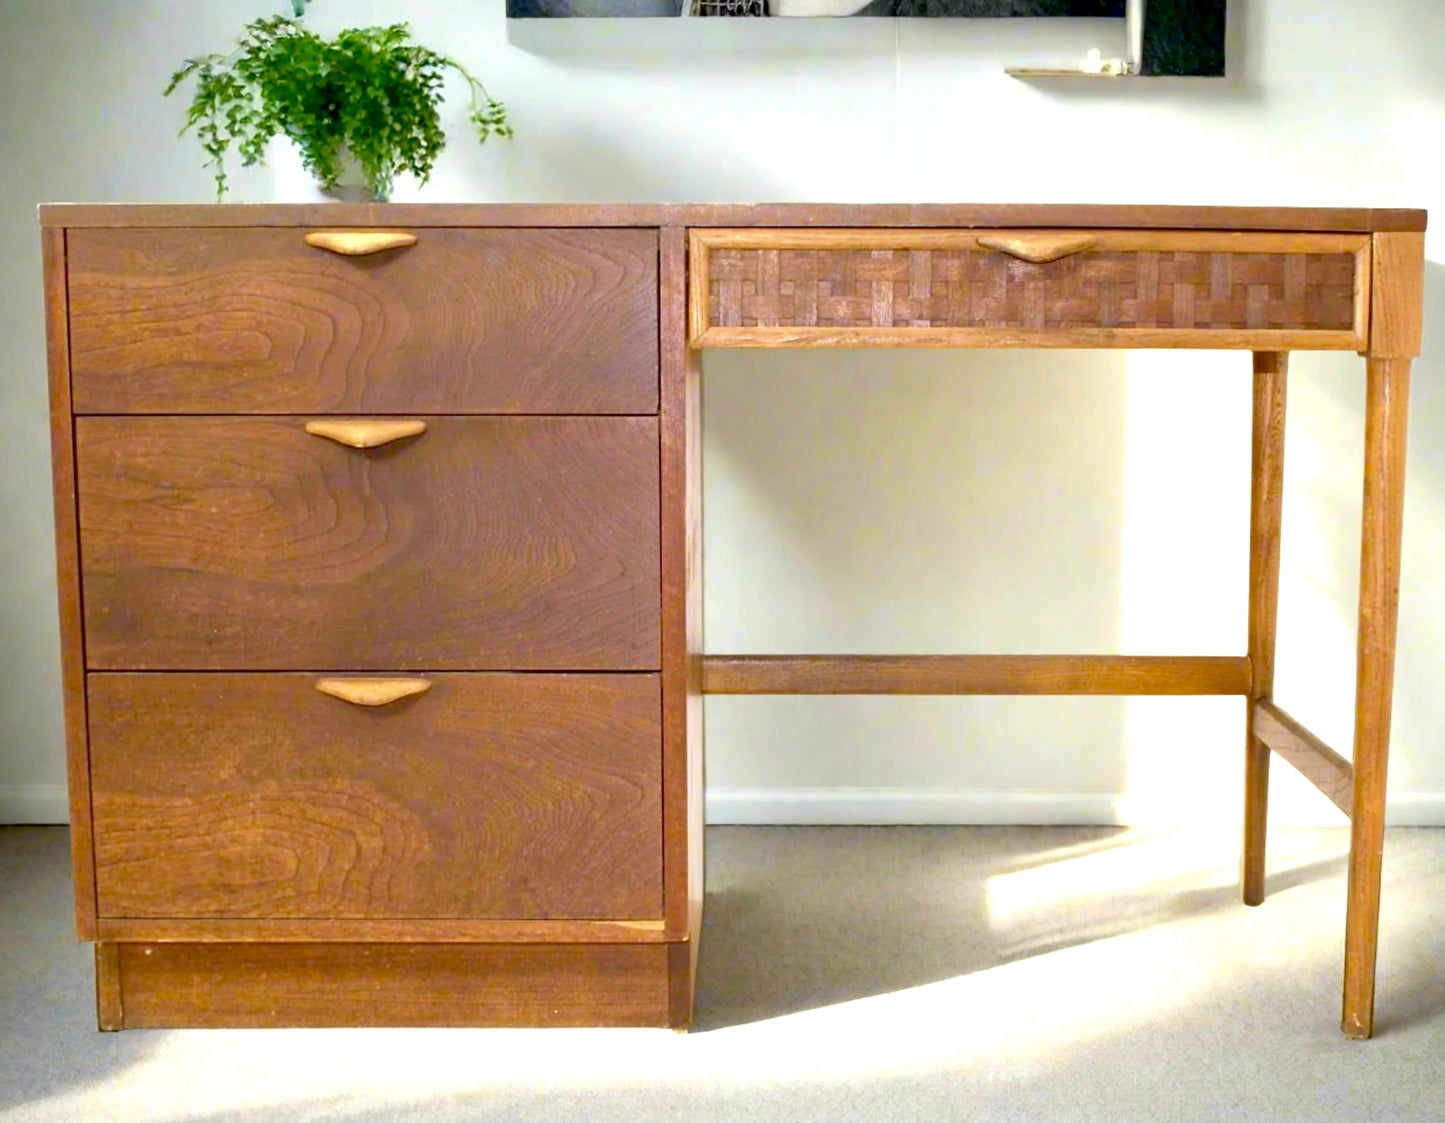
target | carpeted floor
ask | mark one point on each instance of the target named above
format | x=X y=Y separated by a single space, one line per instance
x=933 y=974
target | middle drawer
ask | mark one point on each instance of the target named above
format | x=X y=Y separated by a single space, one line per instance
x=249 y=543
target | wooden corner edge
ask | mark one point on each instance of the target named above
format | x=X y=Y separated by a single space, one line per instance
x=1397 y=281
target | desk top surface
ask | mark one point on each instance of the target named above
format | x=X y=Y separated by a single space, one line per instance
x=954 y=215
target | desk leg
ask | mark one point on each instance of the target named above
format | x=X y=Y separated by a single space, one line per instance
x=1386 y=412
x=1271 y=370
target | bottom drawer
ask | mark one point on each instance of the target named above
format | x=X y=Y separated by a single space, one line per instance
x=501 y=796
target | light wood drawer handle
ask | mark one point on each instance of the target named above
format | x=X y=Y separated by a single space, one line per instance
x=365 y=434
x=359 y=243
x=1038 y=248
x=372 y=691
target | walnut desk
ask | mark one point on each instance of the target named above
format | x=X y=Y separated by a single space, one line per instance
x=380 y=565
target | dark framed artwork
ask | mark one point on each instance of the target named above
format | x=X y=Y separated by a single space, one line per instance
x=1181 y=37
x=523 y=9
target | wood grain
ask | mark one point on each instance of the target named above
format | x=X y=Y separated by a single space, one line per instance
x=415 y=216
x=372 y=691
x=359 y=243
x=696 y=756
x=322 y=985
x=170 y=327
x=1311 y=757
x=974 y=674
x=109 y=1011
x=1038 y=247
x=1386 y=414
x=492 y=543
x=681 y=984
x=673 y=437
x=1397 y=308
x=681 y=429
x=413 y=930
x=1196 y=241
x=67 y=574
x=699 y=286
x=491 y=796
x=366 y=433
x=1271 y=373
x=1205 y=339
x=1081 y=280
x=468 y=321
x=1364 y=287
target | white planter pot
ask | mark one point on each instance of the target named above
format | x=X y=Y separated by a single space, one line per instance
x=292 y=183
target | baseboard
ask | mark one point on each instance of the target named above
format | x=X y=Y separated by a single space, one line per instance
x=33 y=804
x=886 y=806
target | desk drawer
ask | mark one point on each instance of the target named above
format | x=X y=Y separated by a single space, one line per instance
x=248 y=543
x=464 y=321
x=488 y=796
x=1029 y=288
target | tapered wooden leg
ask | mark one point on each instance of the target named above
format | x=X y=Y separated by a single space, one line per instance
x=1271 y=371
x=1386 y=409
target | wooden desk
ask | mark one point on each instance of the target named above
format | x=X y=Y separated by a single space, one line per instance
x=500 y=411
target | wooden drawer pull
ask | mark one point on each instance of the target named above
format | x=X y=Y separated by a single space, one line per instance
x=365 y=434
x=1038 y=248
x=359 y=243
x=372 y=691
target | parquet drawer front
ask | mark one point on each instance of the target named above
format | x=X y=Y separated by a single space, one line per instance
x=487 y=796
x=465 y=321
x=1039 y=287
x=247 y=543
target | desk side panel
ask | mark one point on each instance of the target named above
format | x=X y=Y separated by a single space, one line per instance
x=67 y=572
x=681 y=435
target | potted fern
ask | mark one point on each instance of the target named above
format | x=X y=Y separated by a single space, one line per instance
x=361 y=108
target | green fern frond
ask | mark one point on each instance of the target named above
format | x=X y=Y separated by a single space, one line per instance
x=370 y=91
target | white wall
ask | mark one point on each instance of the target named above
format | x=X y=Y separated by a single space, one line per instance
x=863 y=501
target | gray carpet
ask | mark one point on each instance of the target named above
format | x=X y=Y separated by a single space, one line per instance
x=847 y=974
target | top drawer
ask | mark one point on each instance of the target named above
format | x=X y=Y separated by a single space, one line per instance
x=1029 y=288
x=464 y=321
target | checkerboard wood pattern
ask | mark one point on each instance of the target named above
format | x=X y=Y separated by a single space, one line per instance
x=901 y=288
